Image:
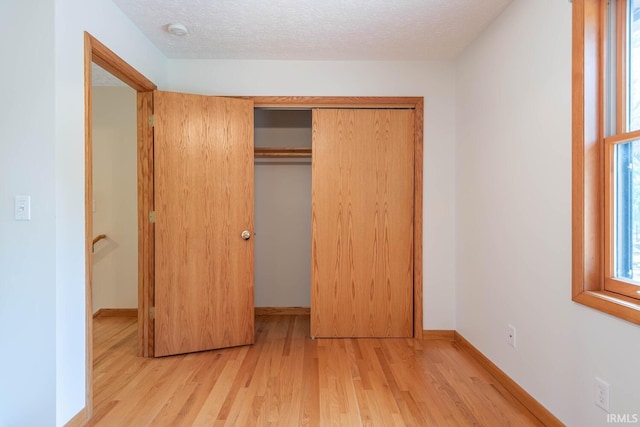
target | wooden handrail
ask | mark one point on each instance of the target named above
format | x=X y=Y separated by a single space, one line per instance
x=96 y=240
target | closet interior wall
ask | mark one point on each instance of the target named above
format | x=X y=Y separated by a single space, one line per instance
x=282 y=210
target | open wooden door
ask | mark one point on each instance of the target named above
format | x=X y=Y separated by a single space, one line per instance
x=203 y=179
x=362 y=223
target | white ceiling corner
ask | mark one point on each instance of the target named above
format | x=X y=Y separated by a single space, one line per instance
x=314 y=30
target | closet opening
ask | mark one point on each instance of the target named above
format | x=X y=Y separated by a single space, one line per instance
x=282 y=166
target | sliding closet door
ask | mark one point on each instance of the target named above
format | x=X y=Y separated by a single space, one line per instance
x=362 y=223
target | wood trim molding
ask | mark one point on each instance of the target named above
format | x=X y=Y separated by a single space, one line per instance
x=116 y=312
x=79 y=420
x=623 y=137
x=416 y=103
x=107 y=59
x=587 y=158
x=335 y=101
x=146 y=230
x=88 y=225
x=439 y=335
x=610 y=303
x=417 y=219
x=95 y=51
x=539 y=411
x=282 y=311
x=621 y=65
x=588 y=202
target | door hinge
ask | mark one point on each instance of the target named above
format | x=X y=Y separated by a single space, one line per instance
x=151 y=120
x=152 y=313
x=152 y=217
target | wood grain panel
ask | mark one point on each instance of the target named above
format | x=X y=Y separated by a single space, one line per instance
x=287 y=379
x=203 y=201
x=362 y=223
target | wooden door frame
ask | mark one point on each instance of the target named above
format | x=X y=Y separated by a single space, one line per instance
x=415 y=103
x=96 y=52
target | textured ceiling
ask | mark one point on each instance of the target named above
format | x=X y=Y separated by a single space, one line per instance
x=314 y=29
x=101 y=77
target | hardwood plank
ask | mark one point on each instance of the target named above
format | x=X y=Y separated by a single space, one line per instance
x=116 y=312
x=287 y=379
x=282 y=311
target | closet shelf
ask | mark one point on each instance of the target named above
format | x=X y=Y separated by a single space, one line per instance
x=281 y=152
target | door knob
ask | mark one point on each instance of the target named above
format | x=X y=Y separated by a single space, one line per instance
x=246 y=235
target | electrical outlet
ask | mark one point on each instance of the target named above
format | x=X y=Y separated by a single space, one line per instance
x=602 y=394
x=511 y=336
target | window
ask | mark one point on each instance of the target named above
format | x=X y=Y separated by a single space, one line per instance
x=622 y=148
x=606 y=156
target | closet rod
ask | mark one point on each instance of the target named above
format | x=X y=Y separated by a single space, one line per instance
x=281 y=152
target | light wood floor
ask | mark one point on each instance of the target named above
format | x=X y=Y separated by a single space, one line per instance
x=287 y=379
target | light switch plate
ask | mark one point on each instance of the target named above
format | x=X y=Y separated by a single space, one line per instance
x=23 y=208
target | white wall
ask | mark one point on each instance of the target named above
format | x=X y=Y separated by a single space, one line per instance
x=42 y=310
x=115 y=259
x=513 y=222
x=505 y=139
x=433 y=80
x=27 y=249
x=108 y=24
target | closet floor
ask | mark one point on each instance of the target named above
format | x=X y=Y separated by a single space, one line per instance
x=287 y=379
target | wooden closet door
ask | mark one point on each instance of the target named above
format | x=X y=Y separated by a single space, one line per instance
x=362 y=223
x=203 y=201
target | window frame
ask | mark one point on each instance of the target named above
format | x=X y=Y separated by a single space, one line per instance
x=592 y=284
